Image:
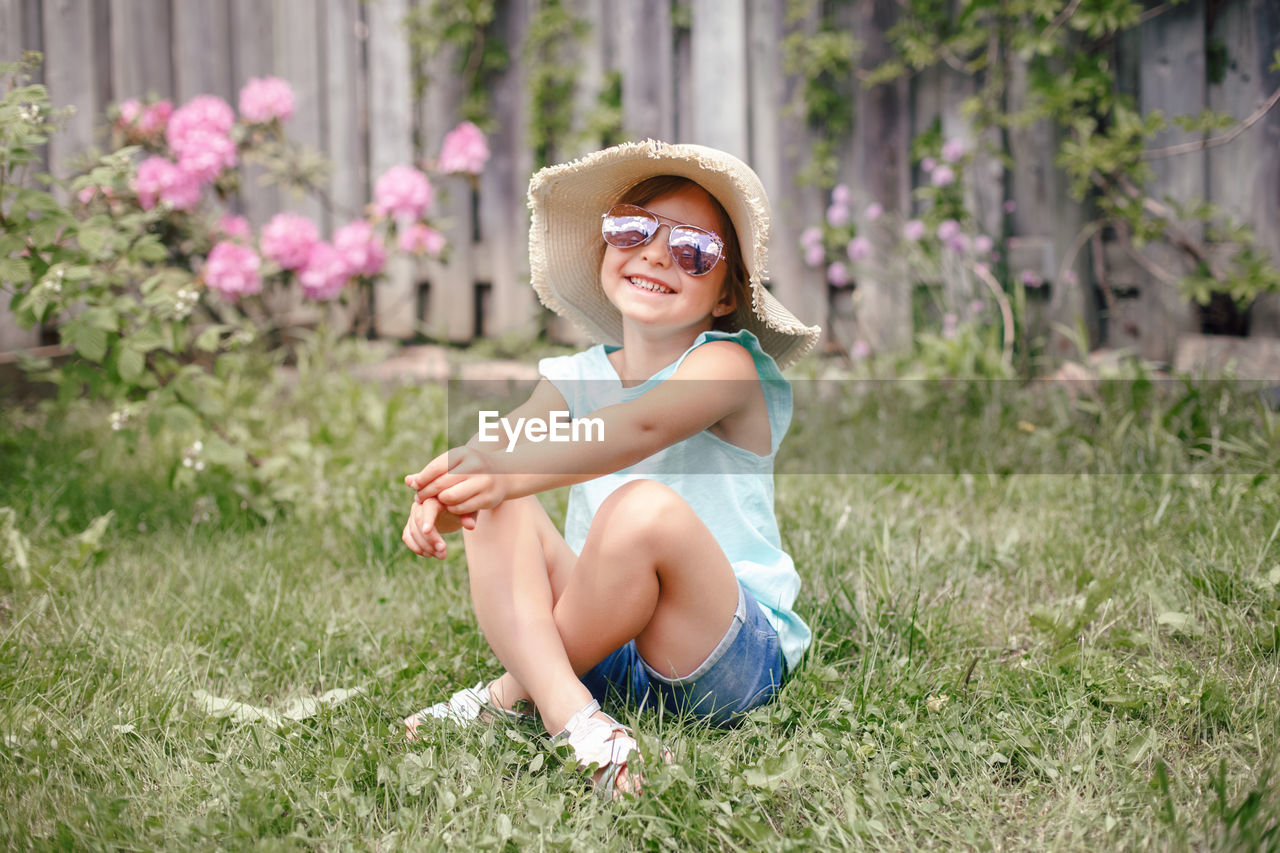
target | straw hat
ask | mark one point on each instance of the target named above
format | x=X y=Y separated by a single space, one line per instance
x=565 y=246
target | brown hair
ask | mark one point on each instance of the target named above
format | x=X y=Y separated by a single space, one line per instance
x=736 y=279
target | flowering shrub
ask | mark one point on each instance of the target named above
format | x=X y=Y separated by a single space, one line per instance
x=156 y=287
x=953 y=268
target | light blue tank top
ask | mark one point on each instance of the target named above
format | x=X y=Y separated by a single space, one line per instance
x=729 y=487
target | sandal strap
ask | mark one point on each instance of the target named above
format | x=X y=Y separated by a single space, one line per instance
x=468 y=705
x=607 y=744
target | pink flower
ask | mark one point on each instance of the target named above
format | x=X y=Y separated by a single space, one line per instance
x=207 y=113
x=1031 y=279
x=288 y=239
x=943 y=176
x=948 y=229
x=958 y=243
x=837 y=215
x=928 y=164
x=811 y=236
x=264 y=99
x=86 y=195
x=859 y=249
x=913 y=230
x=232 y=270
x=976 y=306
x=1010 y=206
x=838 y=274
x=840 y=194
x=873 y=211
x=814 y=255
x=325 y=272
x=156 y=118
x=402 y=192
x=949 y=324
x=129 y=111
x=860 y=350
x=205 y=154
x=235 y=227
x=982 y=244
x=159 y=178
x=361 y=250
x=952 y=150
x=420 y=239
x=464 y=150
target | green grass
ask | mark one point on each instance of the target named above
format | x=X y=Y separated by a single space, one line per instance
x=1000 y=662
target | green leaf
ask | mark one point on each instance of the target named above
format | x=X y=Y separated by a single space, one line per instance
x=31 y=308
x=148 y=338
x=90 y=342
x=178 y=418
x=15 y=271
x=219 y=452
x=100 y=317
x=149 y=250
x=93 y=240
x=207 y=340
x=131 y=363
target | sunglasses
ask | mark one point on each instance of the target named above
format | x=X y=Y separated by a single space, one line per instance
x=695 y=250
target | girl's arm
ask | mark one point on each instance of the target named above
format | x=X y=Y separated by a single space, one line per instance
x=713 y=382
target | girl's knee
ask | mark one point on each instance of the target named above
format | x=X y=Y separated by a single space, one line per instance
x=639 y=511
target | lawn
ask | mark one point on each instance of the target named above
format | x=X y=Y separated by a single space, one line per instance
x=1045 y=660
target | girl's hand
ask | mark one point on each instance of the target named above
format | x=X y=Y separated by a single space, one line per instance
x=420 y=533
x=464 y=480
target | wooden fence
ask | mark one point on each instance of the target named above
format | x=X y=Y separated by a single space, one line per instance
x=708 y=71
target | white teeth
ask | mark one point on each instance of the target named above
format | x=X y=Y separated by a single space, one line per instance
x=649 y=285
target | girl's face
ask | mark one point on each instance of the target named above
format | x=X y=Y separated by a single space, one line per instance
x=647 y=287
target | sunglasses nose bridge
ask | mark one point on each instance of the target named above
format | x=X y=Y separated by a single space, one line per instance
x=657 y=249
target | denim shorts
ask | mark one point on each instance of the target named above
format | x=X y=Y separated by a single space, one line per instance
x=743 y=672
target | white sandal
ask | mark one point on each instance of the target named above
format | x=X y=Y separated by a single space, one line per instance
x=465 y=708
x=602 y=747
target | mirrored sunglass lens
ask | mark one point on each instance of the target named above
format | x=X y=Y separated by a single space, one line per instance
x=694 y=250
x=625 y=227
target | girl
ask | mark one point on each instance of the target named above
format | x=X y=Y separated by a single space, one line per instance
x=669 y=584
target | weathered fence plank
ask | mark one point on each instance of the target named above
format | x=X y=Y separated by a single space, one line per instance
x=12 y=336
x=1242 y=179
x=69 y=70
x=140 y=38
x=881 y=173
x=594 y=61
x=1043 y=229
x=202 y=50
x=253 y=55
x=11 y=41
x=346 y=126
x=645 y=59
x=719 y=54
x=299 y=31
x=1172 y=79
x=391 y=143
x=502 y=213
x=795 y=205
x=451 y=294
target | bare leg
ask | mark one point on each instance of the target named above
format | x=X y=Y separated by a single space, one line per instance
x=649 y=570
